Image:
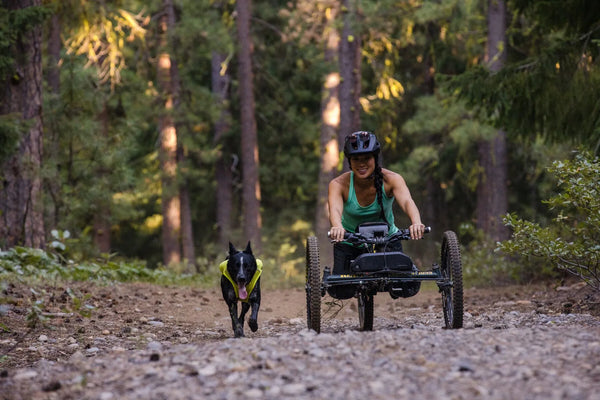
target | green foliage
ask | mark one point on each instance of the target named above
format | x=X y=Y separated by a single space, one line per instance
x=481 y=267
x=13 y=25
x=35 y=315
x=80 y=305
x=550 y=81
x=102 y=156
x=442 y=136
x=26 y=263
x=288 y=84
x=99 y=32
x=484 y=266
x=100 y=150
x=571 y=242
x=573 y=16
x=284 y=254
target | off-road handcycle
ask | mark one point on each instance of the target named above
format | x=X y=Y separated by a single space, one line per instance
x=377 y=269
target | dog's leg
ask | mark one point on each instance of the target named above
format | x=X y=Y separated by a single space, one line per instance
x=255 y=303
x=245 y=308
x=252 y=322
x=238 y=328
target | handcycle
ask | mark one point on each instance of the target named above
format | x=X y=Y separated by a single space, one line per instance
x=379 y=270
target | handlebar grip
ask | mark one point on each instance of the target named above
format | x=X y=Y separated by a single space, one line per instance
x=346 y=234
x=426 y=230
x=349 y=234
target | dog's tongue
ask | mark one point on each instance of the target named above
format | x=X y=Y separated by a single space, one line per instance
x=242 y=292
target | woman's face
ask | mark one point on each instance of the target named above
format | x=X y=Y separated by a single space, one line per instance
x=362 y=165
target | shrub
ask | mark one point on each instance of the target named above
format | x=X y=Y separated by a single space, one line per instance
x=571 y=242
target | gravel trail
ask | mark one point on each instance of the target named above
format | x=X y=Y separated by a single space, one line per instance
x=500 y=354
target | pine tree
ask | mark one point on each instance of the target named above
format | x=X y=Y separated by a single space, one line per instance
x=250 y=160
x=21 y=209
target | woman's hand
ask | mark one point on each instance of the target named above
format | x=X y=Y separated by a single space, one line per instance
x=416 y=231
x=336 y=233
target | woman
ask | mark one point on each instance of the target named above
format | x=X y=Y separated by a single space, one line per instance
x=366 y=194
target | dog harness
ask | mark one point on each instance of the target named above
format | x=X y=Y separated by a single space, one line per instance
x=250 y=286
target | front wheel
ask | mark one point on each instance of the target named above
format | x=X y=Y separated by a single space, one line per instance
x=313 y=285
x=365 y=311
x=452 y=289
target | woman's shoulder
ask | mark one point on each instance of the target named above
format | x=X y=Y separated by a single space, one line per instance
x=343 y=179
x=340 y=186
x=389 y=175
x=392 y=180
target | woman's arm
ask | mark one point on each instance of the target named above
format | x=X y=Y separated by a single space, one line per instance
x=335 y=201
x=405 y=201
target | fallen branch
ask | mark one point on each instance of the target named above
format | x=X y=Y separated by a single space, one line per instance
x=56 y=314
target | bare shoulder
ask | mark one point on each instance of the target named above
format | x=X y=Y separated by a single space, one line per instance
x=342 y=180
x=340 y=186
x=392 y=178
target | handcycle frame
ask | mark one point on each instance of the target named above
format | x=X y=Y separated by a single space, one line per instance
x=378 y=270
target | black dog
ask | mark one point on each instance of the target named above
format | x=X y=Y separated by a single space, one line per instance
x=241 y=282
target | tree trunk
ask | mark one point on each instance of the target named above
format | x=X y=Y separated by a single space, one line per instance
x=330 y=123
x=251 y=184
x=21 y=208
x=52 y=182
x=492 y=197
x=102 y=223
x=432 y=207
x=187 y=233
x=171 y=204
x=220 y=87
x=350 y=47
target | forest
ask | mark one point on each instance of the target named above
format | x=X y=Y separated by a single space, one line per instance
x=158 y=131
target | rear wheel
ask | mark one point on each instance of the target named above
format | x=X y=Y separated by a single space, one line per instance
x=313 y=285
x=365 y=311
x=451 y=268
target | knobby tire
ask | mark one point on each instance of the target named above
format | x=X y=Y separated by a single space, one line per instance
x=313 y=285
x=452 y=297
x=365 y=311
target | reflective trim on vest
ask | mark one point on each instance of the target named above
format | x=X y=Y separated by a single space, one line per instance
x=250 y=286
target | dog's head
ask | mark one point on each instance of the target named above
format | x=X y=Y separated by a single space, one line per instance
x=241 y=266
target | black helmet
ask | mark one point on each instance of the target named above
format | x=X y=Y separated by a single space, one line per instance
x=361 y=142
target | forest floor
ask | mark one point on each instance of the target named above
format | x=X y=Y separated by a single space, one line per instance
x=146 y=312
x=148 y=341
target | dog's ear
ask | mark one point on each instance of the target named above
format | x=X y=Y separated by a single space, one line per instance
x=248 y=248
x=232 y=249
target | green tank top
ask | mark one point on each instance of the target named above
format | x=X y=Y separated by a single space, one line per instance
x=354 y=214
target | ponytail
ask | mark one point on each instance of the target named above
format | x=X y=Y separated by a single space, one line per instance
x=378 y=182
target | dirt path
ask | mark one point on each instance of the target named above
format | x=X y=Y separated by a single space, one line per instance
x=132 y=323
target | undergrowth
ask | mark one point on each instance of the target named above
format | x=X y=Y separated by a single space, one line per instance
x=22 y=263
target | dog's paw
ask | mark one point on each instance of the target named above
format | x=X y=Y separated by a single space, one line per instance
x=253 y=325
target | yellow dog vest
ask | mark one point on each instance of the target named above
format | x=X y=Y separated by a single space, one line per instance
x=250 y=286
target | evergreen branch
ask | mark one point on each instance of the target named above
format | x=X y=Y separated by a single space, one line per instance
x=589 y=34
x=268 y=25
